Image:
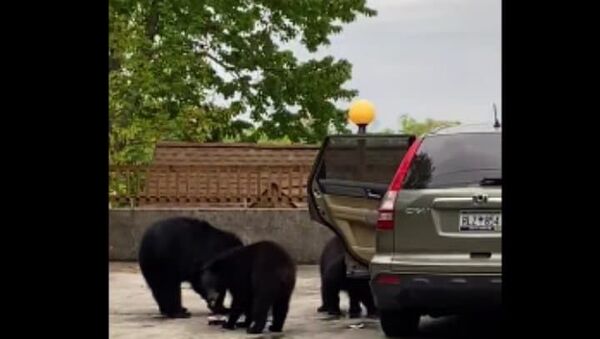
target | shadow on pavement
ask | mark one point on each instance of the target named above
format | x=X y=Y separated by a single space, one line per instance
x=471 y=326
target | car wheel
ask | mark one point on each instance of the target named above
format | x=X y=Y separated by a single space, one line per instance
x=399 y=323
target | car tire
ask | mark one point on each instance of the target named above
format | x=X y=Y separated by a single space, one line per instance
x=399 y=323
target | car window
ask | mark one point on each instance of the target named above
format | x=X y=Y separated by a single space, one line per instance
x=370 y=159
x=457 y=160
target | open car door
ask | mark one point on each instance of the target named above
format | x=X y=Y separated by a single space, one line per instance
x=350 y=176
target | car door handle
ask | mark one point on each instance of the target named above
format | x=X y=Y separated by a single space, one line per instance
x=373 y=195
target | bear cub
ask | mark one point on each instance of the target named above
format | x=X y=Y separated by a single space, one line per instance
x=260 y=277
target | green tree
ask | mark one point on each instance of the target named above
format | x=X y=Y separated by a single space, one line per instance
x=170 y=61
x=409 y=125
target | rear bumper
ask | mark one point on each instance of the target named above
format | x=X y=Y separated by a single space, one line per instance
x=437 y=293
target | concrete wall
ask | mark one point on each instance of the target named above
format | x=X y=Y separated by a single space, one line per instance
x=292 y=228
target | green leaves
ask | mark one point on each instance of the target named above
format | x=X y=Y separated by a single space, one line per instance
x=171 y=62
x=411 y=126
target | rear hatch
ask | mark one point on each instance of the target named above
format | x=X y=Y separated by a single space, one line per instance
x=350 y=176
x=448 y=214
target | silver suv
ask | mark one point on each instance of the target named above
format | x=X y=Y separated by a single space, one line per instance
x=421 y=218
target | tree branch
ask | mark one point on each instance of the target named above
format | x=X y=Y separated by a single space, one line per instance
x=152 y=21
x=221 y=63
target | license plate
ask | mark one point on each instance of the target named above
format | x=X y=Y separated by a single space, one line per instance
x=480 y=221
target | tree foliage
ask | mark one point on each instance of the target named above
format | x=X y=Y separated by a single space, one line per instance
x=187 y=69
x=409 y=125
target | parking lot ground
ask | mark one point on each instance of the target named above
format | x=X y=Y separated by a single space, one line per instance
x=133 y=314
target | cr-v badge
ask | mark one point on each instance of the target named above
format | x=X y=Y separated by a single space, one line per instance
x=416 y=210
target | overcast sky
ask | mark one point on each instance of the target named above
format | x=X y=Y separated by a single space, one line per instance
x=437 y=59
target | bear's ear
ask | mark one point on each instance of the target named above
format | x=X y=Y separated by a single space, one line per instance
x=210 y=265
x=214 y=265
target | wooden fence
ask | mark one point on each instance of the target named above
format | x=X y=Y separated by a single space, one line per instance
x=209 y=185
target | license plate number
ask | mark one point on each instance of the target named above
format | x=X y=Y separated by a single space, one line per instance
x=480 y=221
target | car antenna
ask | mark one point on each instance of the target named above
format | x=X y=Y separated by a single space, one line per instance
x=496 y=122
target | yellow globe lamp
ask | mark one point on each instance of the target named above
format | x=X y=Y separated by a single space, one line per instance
x=361 y=113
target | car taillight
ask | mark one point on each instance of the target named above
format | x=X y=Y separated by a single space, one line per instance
x=385 y=220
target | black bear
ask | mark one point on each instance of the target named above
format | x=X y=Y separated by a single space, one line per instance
x=260 y=277
x=169 y=252
x=334 y=280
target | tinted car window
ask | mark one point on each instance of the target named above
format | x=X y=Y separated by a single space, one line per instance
x=371 y=159
x=457 y=160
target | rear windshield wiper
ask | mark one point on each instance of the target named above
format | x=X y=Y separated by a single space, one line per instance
x=491 y=182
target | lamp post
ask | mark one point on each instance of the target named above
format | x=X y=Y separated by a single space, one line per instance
x=361 y=113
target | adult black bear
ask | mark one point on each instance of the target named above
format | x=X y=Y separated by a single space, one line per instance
x=260 y=276
x=169 y=252
x=334 y=280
